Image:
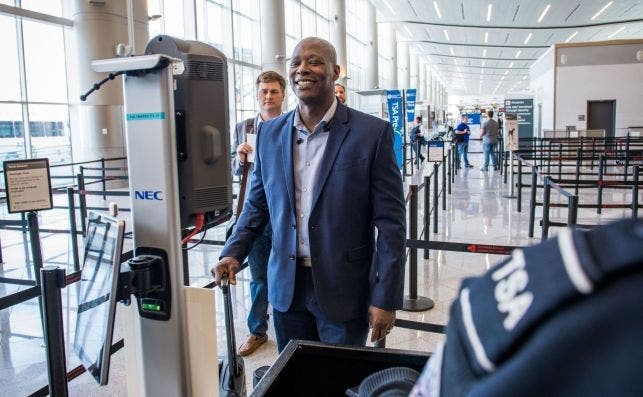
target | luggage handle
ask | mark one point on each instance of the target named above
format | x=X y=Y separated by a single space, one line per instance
x=229 y=325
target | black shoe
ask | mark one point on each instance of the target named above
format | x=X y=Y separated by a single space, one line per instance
x=469 y=166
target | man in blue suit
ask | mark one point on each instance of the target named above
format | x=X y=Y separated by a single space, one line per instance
x=325 y=176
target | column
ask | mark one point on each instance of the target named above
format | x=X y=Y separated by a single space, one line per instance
x=403 y=65
x=97 y=128
x=429 y=86
x=390 y=41
x=421 y=88
x=273 y=36
x=413 y=71
x=371 y=70
x=338 y=36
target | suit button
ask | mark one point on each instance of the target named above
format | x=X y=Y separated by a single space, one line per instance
x=294 y=226
x=313 y=227
x=292 y=257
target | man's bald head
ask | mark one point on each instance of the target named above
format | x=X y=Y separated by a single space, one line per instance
x=327 y=46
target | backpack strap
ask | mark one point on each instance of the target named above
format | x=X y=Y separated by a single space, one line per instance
x=246 y=167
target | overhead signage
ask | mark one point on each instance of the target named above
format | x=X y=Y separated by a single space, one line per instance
x=411 y=93
x=524 y=110
x=396 y=117
x=28 y=185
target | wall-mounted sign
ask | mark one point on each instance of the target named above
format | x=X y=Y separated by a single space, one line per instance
x=581 y=117
x=28 y=185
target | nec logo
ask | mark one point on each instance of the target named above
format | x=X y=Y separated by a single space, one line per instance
x=148 y=195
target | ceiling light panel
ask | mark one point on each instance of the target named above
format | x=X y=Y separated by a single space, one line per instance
x=528 y=37
x=540 y=19
x=437 y=9
x=601 y=10
x=489 y=7
x=386 y=3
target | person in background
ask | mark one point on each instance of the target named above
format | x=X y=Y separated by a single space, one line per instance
x=417 y=139
x=271 y=88
x=340 y=93
x=304 y=182
x=490 y=134
x=462 y=133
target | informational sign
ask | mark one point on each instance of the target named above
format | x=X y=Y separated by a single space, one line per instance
x=436 y=150
x=511 y=131
x=524 y=109
x=410 y=104
x=28 y=185
x=396 y=117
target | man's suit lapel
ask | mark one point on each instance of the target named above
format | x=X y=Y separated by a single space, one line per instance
x=286 y=150
x=336 y=136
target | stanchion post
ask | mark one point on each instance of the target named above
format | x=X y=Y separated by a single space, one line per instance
x=572 y=210
x=412 y=301
x=627 y=156
x=519 y=185
x=34 y=243
x=591 y=165
x=413 y=233
x=504 y=165
x=635 y=192
x=427 y=212
x=548 y=157
x=532 y=200
x=444 y=185
x=579 y=161
x=72 y=228
x=599 y=192
x=82 y=204
x=449 y=170
x=560 y=161
x=546 y=196
x=104 y=176
x=435 y=198
x=53 y=279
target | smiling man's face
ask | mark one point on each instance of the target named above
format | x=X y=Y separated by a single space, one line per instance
x=313 y=71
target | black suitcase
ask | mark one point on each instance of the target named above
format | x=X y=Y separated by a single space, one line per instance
x=232 y=373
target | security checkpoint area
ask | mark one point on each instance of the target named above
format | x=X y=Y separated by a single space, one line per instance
x=520 y=264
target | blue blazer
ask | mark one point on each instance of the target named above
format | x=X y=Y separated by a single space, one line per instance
x=359 y=189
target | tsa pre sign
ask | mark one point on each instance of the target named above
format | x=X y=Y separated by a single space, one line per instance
x=28 y=185
x=395 y=116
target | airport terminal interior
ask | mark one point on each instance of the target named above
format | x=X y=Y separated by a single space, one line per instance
x=561 y=81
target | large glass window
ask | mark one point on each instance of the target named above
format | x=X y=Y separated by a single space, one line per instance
x=51 y=7
x=44 y=62
x=12 y=141
x=9 y=66
x=48 y=125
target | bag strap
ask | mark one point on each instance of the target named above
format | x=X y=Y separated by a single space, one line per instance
x=246 y=167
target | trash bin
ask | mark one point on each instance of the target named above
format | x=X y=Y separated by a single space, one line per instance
x=319 y=369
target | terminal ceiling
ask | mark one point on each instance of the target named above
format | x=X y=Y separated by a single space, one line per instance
x=485 y=47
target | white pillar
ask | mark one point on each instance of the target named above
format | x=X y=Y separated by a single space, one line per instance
x=97 y=128
x=371 y=61
x=390 y=50
x=413 y=71
x=338 y=36
x=421 y=89
x=403 y=64
x=273 y=36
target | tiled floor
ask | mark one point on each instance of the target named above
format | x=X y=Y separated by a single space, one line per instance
x=476 y=212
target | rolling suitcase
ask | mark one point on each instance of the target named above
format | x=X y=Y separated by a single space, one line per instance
x=232 y=373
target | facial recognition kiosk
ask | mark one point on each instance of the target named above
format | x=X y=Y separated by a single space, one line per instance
x=176 y=114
